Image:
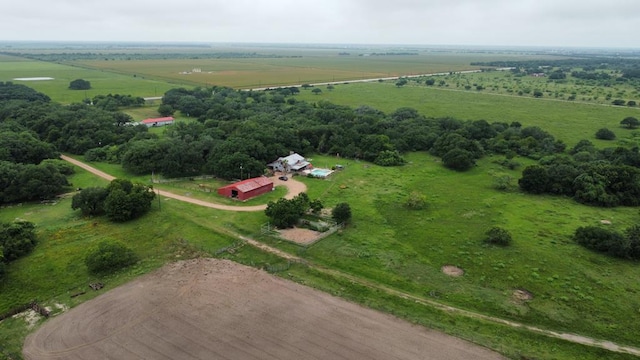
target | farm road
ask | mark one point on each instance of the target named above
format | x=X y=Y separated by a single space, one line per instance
x=295 y=188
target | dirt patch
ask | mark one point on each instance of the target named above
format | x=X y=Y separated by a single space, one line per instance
x=214 y=309
x=452 y=270
x=300 y=235
x=521 y=295
x=30 y=316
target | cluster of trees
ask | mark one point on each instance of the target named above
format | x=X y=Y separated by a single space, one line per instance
x=286 y=213
x=17 y=239
x=80 y=84
x=28 y=182
x=121 y=200
x=113 y=102
x=109 y=256
x=624 y=245
x=606 y=177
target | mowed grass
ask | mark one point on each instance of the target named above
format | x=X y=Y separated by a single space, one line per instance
x=102 y=82
x=574 y=290
x=566 y=120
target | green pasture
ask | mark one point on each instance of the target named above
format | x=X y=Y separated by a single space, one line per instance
x=574 y=289
x=573 y=89
x=102 y=82
x=566 y=120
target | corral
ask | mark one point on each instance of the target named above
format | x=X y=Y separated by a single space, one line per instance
x=210 y=309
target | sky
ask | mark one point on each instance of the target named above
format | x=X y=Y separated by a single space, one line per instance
x=562 y=23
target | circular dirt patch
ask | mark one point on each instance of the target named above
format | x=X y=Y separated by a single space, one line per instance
x=452 y=270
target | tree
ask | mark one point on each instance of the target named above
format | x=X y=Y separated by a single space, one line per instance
x=109 y=256
x=316 y=91
x=538 y=94
x=330 y=87
x=535 y=179
x=80 y=84
x=284 y=213
x=17 y=239
x=618 y=102
x=631 y=103
x=166 y=110
x=127 y=201
x=90 y=201
x=316 y=206
x=401 y=82
x=498 y=236
x=430 y=82
x=630 y=122
x=605 y=134
x=458 y=159
x=341 y=213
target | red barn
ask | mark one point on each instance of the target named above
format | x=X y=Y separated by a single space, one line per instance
x=247 y=189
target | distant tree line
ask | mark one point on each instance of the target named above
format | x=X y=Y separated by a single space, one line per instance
x=93 y=55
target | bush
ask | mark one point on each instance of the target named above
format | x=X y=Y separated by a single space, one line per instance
x=416 y=201
x=498 y=236
x=17 y=239
x=109 y=256
x=605 y=134
x=602 y=240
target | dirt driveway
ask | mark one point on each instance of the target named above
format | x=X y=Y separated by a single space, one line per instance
x=218 y=309
x=294 y=188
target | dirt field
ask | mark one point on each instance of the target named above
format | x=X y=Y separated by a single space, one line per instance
x=213 y=309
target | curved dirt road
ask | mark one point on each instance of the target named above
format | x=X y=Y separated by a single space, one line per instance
x=294 y=188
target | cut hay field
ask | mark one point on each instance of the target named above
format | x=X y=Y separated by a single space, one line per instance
x=566 y=120
x=102 y=82
x=300 y=66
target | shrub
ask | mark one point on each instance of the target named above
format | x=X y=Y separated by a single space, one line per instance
x=605 y=134
x=498 y=236
x=17 y=239
x=416 y=201
x=602 y=240
x=109 y=256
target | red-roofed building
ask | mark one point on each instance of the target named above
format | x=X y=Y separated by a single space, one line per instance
x=247 y=189
x=158 y=121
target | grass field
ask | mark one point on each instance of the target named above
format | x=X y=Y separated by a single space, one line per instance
x=566 y=120
x=102 y=82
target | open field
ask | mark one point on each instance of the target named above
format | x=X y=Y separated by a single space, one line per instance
x=102 y=82
x=208 y=308
x=565 y=120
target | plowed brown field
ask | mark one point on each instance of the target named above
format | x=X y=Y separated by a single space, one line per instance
x=217 y=309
